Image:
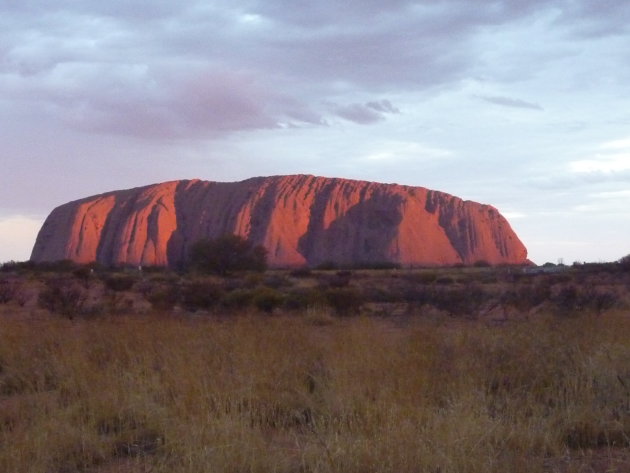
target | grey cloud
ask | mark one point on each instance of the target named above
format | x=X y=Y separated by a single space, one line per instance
x=305 y=115
x=203 y=104
x=264 y=69
x=596 y=19
x=140 y=9
x=384 y=106
x=510 y=102
x=580 y=182
x=328 y=12
x=407 y=44
x=404 y=42
x=359 y=114
x=305 y=13
x=410 y=44
x=365 y=114
x=153 y=102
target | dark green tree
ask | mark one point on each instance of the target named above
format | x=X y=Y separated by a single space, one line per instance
x=226 y=254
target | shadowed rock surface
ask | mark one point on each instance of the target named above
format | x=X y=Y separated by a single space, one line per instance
x=300 y=220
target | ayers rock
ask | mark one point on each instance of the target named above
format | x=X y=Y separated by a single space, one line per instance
x=301 y=220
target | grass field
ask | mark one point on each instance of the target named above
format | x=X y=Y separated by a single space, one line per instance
x=264 y=394
x=310 y=390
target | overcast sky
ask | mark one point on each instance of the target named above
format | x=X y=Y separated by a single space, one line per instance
x=521 y=104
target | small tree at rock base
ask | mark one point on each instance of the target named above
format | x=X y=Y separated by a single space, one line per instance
x=226 y=254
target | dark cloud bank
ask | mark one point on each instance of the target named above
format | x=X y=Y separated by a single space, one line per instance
x=199 y=69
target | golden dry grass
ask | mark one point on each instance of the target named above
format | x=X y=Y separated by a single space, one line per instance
x=312 y=394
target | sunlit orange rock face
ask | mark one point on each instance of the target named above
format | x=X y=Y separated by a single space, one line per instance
x=301 y=220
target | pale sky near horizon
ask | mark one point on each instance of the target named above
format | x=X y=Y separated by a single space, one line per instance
x=521 y=104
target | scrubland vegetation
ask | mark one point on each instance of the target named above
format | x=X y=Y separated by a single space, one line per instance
x=455 y=370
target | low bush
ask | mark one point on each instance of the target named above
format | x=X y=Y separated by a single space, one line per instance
x=423 y=277
x=481 y=264
x=119 y=282
x=266 y=299
x=63 y=296
x=444 y=280
x=456 y=300
x=572 y=299
x=603 y=300
x=9 y=290
x=115 y=303
x=84 y=274
x=327 y=266
x=237 y=299
x=277 y=281
x=302 y=298
x=249 y=280
x=345 y=301
x=339 y=279
x=233 y=282
x=376 y=265
x=202 y=295
x=163 y=297
x=527 y=296
x=466 y=300
x=304 y=272
x=60 y=266
x=380 y=293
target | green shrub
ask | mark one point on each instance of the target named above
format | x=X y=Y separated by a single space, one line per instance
x=249 y=281
x=602 y=300
x=227 y=254
x=303 y=272
x=376 y=265
x=237 y=299
x=481 y=264
x=64 y=297
x=60 y=266
x=267 y=299
x=456 y=299
x=419 y=294
x=84 y=274
x=8 y=290
x=327 y=266
x=201 y=295
x=567 y=300
x=345 y=301
x=383 y=294
x=422 y=277
x=302 y=298
x=119 y=282
x=277 y=281
x=572 y=299
x=163 y=297
x=527 y=296
x=445 y=280
x=232 y=283
x=465 y=300
x=340 y=279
